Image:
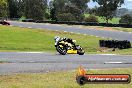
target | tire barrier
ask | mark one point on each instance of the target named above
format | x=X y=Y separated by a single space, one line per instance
x=76 y=23
x=115 y=44
x=86 y=23
x=28 y=20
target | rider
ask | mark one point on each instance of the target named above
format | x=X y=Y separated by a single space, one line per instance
x=69 y=40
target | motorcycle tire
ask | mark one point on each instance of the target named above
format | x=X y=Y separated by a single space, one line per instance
x=80 y=50
x=61 y=51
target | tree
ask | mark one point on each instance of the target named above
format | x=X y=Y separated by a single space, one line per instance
x=126 y=19
x=107 y=8
x=3 y=8
x=35 y=9
x=79 y=7
x=92 y=18
x=20 y=8
x=56 y=8
x=122 y=11
x=81 y=4
x=75 y=7
x=93 y=11
x=13 y=8
x=65 y=17
x=75 y=11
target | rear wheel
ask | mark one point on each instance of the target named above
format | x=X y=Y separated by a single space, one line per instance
x=80 y=50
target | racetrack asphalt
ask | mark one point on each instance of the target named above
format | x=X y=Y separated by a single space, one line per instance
x=75 y=29
x=39 y=62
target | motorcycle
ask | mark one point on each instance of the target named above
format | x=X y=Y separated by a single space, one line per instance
x=67 y=48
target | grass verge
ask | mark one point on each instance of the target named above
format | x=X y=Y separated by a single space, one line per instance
x=58 y=80
x=123 y=29
x=24 y=39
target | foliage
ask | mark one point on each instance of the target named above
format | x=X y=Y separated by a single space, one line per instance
x=75 y=7
x=75 y=11
x=35 y=9
x=47 y=15
x=126 y=19
x=81 y=4
x=66 y=17
x=56 y=7
x=13 y=8
x=91 y=18
x=16 y=8
x=3 y=8
x=107 y=8
x=78 y=8
x=22 y=18
x=93 y=10
x=121 y=11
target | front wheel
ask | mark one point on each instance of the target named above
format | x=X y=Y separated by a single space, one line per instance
x=80 y=50
x=61 y=49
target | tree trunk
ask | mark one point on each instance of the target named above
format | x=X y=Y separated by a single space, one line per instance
x=107 y=20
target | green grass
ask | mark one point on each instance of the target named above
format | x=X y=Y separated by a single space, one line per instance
x=101 y=20
x=113 y=21
x=24 y=39
x=121 y=52
x=58 y=80
x=22 y=18
x=123 y=29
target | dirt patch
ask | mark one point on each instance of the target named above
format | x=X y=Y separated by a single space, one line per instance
x=104 y=49
x=99 y=28
x=104 y=28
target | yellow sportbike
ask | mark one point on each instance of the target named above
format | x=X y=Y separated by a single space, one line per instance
x=67 y=48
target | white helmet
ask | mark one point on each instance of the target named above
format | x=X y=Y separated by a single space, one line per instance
x=57 y=38
x=74 y=41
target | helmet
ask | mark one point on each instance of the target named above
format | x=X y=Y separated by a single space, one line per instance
x=74 y=41
x=57 y=38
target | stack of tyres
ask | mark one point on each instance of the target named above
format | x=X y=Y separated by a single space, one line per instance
x=125 y=44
